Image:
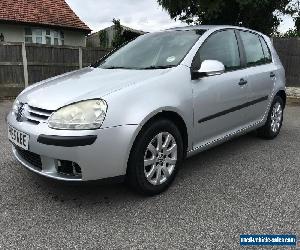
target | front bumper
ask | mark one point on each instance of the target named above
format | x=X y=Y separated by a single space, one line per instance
x=101 y=153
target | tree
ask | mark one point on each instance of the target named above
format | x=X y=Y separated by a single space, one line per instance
x=261 y=15
x=122 y=35
x=297 y=23
x=290 y=33
x=118 y=38
x=294 y=10
x=103 y=37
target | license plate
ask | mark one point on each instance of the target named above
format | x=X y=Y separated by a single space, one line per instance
x=18 y=138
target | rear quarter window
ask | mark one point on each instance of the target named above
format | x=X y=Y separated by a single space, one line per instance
x=266 y=49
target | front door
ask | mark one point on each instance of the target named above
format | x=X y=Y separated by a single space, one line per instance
x=219 y=100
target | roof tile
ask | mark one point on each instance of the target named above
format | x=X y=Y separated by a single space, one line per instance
x=46 y=12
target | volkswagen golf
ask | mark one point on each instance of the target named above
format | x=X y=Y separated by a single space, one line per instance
x=137 y=113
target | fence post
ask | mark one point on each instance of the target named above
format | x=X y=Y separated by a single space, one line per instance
x=25 y=68
x=80 y=57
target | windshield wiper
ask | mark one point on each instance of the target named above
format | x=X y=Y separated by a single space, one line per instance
x=159 y=67
x=150 y=67
x=115 y=67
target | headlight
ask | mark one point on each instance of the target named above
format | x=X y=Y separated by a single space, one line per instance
x=15 y=106
x=82 y=115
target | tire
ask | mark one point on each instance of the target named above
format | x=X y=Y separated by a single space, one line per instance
x=272 y=127
x=159 y=163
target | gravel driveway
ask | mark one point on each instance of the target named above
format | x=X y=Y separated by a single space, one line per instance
x=247 y=185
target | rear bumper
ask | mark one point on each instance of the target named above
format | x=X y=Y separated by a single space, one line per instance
x=100 y=154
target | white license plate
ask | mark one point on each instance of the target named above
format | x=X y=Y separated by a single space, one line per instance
x=18 y=138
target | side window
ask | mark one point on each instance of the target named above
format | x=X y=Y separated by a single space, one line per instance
x=267 y=53
x=221 y=46
x=253 y=48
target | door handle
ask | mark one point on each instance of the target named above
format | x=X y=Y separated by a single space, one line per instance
x=243 y=82
x=272 y=74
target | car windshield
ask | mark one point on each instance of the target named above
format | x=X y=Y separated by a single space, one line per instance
x=154 y=51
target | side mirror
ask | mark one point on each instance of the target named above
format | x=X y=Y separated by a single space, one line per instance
x=209 y=68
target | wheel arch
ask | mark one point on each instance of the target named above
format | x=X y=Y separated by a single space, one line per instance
x=282 y=94
x=177 y=120
x=171 y=115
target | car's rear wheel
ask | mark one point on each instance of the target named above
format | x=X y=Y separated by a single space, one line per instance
x=155 y=157
x=274 y=121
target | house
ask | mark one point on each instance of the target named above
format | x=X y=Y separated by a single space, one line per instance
x=50 y=22
x=104 y=38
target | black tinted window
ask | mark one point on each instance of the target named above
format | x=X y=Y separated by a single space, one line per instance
x=253 y=48
x=221 y=46
x=267 y=53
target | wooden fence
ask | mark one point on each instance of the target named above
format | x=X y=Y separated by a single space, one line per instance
x=288 y=50
x=21 y=65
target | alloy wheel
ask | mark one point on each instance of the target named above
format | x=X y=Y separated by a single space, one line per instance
x=160 y=158
x=276 y=117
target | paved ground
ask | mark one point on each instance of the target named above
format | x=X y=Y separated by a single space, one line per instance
x=293 y=92
x=245 y=186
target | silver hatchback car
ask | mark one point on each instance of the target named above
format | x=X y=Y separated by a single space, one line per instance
x=137 y=113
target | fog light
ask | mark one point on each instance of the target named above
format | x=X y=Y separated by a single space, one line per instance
x=68 y=168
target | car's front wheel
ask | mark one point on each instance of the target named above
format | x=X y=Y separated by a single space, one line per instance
x=274 y=121
x=155 y=157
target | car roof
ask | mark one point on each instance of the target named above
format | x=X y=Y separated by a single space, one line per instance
x=211 y=27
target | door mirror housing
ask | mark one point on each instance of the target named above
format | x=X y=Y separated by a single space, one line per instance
x=209 y=68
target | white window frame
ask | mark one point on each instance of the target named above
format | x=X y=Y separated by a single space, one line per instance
x=54 y=34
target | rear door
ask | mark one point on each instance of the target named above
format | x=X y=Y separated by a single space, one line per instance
x=260 y=71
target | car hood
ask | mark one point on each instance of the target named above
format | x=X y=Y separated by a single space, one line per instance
x=87 y=83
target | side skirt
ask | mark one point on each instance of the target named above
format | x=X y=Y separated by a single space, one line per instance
x=226 y=137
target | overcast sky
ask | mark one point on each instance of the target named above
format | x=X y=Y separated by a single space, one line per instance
x=144 y=15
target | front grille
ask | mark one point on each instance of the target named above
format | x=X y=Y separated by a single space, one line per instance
x=37 y=115
x=32 y=158
x=32 y=114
